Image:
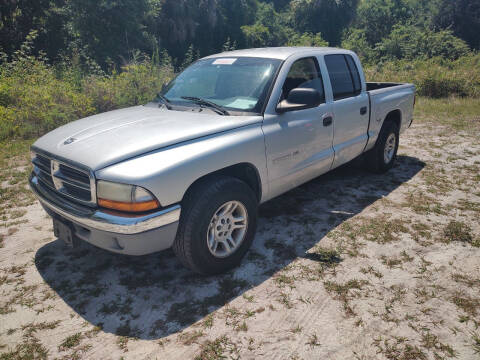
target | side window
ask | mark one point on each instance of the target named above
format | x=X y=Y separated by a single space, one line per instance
x=355 y=75
x=344 y=82
x=304 y=73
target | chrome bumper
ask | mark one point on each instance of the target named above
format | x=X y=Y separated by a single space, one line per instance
x=101 y=220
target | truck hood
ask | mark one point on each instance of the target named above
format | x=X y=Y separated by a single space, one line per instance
x=104 y=139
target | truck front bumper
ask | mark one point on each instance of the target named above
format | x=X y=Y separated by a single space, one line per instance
x=121 y=233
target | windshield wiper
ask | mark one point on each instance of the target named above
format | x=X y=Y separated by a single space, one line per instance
x=165 y=101
x=219 y=109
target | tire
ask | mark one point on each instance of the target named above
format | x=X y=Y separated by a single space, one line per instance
x=199 y=206
x=376 y=160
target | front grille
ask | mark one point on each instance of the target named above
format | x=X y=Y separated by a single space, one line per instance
x=68 y=180
x=42 y=162
x=75 y=174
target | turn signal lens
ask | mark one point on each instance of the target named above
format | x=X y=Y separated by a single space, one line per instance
x=123 y=197
x=129 y=206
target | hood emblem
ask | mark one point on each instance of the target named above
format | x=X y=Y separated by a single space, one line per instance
x=69 y=141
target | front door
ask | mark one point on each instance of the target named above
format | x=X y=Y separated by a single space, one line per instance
x=299 y=143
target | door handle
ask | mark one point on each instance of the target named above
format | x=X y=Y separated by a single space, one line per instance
x=327 y=121
x=363 y=110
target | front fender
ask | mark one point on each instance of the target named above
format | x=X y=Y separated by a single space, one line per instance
x=169 y=172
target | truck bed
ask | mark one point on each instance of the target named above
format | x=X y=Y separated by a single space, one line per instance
x=385 y=97
x=380 y=85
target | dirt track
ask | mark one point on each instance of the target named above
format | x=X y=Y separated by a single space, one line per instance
x=349 y=266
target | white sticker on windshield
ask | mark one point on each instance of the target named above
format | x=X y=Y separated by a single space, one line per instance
x=224 y=61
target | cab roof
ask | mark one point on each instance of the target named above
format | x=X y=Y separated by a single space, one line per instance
x=281 y=53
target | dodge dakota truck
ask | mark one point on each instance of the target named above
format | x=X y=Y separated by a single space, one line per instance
x=233 y=130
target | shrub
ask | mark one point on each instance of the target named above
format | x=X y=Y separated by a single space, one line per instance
x=137 y=84
x=36 y=97
x=33 y=100
x=434 y=77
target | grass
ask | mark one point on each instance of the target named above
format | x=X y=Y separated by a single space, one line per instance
x=285 y=300
x=283 y=280
x=297 y=329
x=249 y=298
x=344 y=292
x=476 y=342
x=122 y=343
x=379 y=229
x=71 y=341
x=455 y=112
x=371 y=270
x=324 y=255
x=458 y=231
x=216 y=349
x=399 y=349
x=208 y=321
x=431 y=342
x=14 y=170
x=188 y=338
x=469 y=305
x=466 y=280
x=30 y=347
x=313 y=341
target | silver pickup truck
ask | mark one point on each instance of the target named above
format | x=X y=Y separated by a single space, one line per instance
x=233 y=130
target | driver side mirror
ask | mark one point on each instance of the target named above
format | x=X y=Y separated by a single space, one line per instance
x=299 y=99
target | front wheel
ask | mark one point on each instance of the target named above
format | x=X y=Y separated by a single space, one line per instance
x=382 y=157
x=217 y=225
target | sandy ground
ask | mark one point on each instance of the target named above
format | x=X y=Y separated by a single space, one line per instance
x=349 y=266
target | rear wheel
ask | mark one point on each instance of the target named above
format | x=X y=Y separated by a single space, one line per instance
x=382 y=157
x=217 y=225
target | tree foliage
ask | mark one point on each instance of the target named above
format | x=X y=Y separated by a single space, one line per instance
x=328 y=17
x=410 y=42
x=108 y=32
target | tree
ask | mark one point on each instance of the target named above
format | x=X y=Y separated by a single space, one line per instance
x=410 y=42
x=356 y=40
x=270 y=28
x=461 y=16
x=279 y=4
x=307 y=39
x=378 y=17
x=328 y=17
x=109 y=29
x=19 y=17
x=256 y=35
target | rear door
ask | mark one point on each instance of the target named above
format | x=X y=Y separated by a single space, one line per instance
x=298 y=143
x=350 y=108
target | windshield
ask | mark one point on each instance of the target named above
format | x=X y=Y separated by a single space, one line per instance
x=238 y=84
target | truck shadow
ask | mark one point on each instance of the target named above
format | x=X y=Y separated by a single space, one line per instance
x=152 y=296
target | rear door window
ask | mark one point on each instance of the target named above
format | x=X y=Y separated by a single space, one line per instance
x=344 y=76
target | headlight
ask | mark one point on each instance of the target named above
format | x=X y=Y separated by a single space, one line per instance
x=124 y=197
